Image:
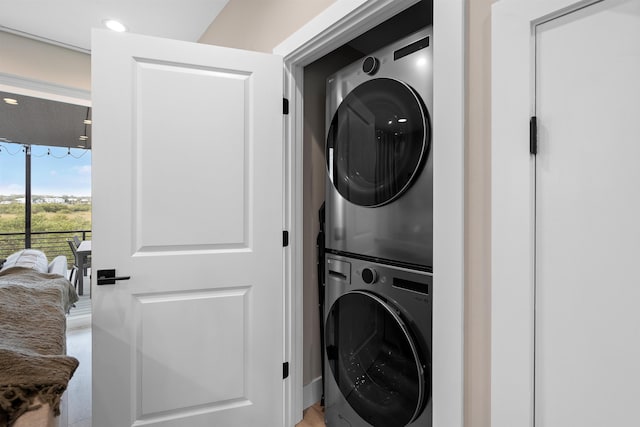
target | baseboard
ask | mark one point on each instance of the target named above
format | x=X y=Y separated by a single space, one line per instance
x=78 y=322
x=312 y=393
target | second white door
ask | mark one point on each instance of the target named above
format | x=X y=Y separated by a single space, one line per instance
x=587 y=340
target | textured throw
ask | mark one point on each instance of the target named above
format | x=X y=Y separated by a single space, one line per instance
x=33 y=363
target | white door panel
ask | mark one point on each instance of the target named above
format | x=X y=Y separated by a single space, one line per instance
x=187 y=194
x=587 y=209
x=219 y=124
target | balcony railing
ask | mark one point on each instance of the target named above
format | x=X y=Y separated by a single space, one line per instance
x=52 y=243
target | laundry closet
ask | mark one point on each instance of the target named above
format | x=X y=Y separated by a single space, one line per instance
x=379 y=256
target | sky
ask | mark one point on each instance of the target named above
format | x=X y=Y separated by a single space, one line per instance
x=56 y=174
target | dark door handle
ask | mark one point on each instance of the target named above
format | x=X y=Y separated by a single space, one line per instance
x=108 y=277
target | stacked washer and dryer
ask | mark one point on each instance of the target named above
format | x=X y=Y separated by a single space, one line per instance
x=379 y=228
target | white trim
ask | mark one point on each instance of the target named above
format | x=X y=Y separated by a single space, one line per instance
x=336 y=25
x=448 y=213
x=339 y=23
x=312 y=393
x=293 y=84
x=513 y=180
x=45 y=90
x=44 y=39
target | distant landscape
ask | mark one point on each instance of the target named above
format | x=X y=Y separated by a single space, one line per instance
x=48 y=213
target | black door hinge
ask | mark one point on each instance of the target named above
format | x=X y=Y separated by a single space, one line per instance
x=285 y=106
x=533 y=135
x=285 y=238
x=285 y=370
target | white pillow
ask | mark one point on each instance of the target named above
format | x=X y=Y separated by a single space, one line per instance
x=58 y=265
x=28 y=258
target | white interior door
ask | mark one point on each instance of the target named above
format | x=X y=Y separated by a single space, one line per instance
x=587 y=321
x=188 y=202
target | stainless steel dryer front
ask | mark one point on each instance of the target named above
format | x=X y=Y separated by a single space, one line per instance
x=379 y=195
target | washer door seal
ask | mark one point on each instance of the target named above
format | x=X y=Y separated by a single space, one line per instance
x=378 y=141
x=375 y=360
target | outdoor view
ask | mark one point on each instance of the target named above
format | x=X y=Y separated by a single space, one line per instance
x=60 y=197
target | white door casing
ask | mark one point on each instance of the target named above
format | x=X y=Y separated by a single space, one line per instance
x=559 y=234
x=188 y=201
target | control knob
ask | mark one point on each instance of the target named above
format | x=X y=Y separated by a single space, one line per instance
x=369 y=276
x=370 y=65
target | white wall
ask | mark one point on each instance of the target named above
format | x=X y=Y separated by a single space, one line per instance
x=260 y=25
x=44 y=62
x=478 y=217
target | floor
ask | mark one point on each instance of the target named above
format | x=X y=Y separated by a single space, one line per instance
x=77 y=408
x=78 y=395
x=313 y=417
x=82 y=307
x=78 y=392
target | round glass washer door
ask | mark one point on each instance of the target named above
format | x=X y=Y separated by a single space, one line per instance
x=374 y=360
x=378 y=140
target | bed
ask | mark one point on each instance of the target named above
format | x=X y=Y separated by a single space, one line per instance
x=35 y=297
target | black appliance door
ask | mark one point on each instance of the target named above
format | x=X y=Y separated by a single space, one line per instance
x=374 y=360
x=378 y=141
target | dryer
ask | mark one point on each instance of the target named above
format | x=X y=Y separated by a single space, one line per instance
x=377 y=345
x=379 y=195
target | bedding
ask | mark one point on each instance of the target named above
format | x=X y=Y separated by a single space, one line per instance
x=28 y=258
x=34 y=368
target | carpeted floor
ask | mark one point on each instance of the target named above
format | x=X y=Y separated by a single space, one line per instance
x=313 y=417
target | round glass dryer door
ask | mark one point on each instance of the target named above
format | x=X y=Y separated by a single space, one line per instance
x=378 y=141
x=374 y=360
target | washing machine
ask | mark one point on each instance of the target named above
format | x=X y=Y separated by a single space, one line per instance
x=377 y=344
x=379 y=196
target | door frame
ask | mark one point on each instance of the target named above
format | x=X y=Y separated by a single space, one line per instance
x=513 y=205
x=339 y=23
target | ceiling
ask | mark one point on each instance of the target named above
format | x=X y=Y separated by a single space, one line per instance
x=68 y=23
x=37 y=121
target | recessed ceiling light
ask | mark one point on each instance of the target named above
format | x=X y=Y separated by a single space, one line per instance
x=114 y=25
x=11 y=101
x=87 y=122
x=403 y=120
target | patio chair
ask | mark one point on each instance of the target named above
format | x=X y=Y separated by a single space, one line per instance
x=78 y=265
x=73 y=276
x=76 y=240
x=77 y=261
